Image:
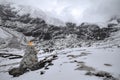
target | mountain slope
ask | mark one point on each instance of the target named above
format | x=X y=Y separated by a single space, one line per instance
x=83 y=52
x=98 y=62
x=36 y=12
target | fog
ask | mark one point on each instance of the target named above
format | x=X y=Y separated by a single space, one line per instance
x=76 y=10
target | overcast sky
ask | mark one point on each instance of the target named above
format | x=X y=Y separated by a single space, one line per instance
x=76 y=10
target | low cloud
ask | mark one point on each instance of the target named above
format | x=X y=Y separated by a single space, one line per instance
x=76 y=10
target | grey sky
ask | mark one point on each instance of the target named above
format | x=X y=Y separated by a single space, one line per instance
x=76 y=10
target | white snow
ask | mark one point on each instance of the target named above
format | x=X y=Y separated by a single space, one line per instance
x=3 y=34
x=63 y=69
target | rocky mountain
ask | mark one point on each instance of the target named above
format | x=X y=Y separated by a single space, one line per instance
x=85 y=51
x=38 y=13
x=41 y=31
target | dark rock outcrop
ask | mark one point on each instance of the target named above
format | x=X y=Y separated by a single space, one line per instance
x=94 y=32
x=17 y=71
x=88 y=31
x=45 y=63
x=103 y=74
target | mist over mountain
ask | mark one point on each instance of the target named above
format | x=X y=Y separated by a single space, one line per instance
x=34 y=12
x=76 y=11
x=38 y=13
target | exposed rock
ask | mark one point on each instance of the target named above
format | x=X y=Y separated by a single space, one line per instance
x=105 y=75
x=47 y=36
x=89 y=73
x=45 y=63
x=10 y=56
x=94 y=32
x=42 y=72
x=110 y=25
x=107 y=64
x=88 y=31
x=27 y=33
x=20 y=29
x=17 y=71
x=84 y=67
x=29 y=58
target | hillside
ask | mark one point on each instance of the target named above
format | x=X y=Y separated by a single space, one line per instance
x=74 y=52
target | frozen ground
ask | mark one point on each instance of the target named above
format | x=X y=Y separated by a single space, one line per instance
x=72 y=64
x=68 y=65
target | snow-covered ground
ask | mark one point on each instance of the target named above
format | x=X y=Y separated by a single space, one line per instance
x=85 y=60
x=68 y=65
x=71 y=63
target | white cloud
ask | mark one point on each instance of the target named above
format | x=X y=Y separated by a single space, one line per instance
x=76 y=10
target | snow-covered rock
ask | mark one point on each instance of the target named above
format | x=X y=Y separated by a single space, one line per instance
x=38 y=13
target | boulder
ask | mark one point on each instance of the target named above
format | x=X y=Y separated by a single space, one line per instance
x=29 y=58
x=45 y=63
x=17 y=71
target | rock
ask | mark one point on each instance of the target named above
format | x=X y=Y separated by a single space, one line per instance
x=37 y=33
x=20 y=29
x=110 y=25
x=47 y=61
x=42 y=72
x=29 y=58
x=17 y=71
x=94 y=32
x=10 y=56
x=27 y=33
x=46 y=68
x=88 y=31
x=89 y=73
x=85 y=67
x=47 y=36
x=103 y=74
x=107 y=64
x=44 y=63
